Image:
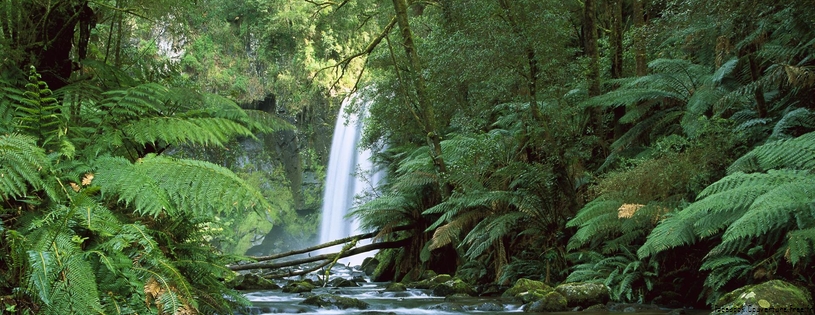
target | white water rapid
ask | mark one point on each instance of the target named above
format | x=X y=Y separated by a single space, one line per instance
x=348 y=166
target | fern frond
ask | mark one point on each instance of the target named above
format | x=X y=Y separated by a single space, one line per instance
x=144 y=99
x=157 y=184
x=21 y=164
x=800 y=245
x=178 y=130
x=772 y=210
x=794 y=120
x=724 y=269
x=797 y=153
x=494 y=229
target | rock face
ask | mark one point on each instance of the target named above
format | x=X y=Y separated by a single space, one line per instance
x=334 y=302
x=584 y=294
x=771 y=297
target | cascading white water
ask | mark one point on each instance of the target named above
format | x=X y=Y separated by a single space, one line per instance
x=347 y=165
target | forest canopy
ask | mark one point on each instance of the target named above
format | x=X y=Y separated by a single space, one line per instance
x=624 y=142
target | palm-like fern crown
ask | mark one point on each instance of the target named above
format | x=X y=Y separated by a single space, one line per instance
x=751 y=213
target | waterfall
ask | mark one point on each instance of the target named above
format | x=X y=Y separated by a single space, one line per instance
x=347 y=167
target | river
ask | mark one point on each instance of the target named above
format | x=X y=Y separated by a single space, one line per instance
x=411 y=302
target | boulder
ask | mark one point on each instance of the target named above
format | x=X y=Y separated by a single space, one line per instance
x=342 y=283
x=525 y=285
x=395 y=287
x=334 y=302
x=447 y=307
x=369 y=265
x=771 y=297
x=584 y=294
x=631 y=307
x=596 y=308
x=453 y=286
x=298 y=287
x=430 y=283
x=252 y=282
x=551 y=302
x=532 y=295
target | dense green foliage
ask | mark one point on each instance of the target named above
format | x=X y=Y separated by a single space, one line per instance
x=664 y=148
x=95 y=219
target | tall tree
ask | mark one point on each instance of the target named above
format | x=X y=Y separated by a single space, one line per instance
x=428 y=115
x=590 y=45
x=641 y=67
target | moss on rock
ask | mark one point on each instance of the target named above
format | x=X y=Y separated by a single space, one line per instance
x=525 y=285
x=584 y=294
x=298 y=287
x=335 y=302
x=454 y=286
x=771 y=297
x=550 y=302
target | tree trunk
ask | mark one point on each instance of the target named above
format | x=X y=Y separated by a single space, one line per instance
x=427 y=112
x=351 y=252
x=639 y=39
x=51 y=50
x=617 y=60
x=590 y=45
x=616 y=39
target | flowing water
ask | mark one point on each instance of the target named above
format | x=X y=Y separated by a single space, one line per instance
x=411 y=302
x=350 y=173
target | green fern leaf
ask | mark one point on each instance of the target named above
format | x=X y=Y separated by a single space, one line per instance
x=797 y=153
x=801 y=245
x=21 y=164
x=177 y=130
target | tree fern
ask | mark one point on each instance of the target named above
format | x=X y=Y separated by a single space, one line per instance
x=796 y=153
x=770 y=208
x=158 y=184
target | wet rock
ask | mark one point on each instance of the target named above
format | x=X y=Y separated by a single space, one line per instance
x=447 y=307
x=402 y=294
x=525 y=285
x=252 y=282
x=491 y=290
x=377 y=313
x=298 y=287
x=597 y=308
x=584 y=294
x=551 y=302
x=342 y=283
x=454 y=286
x=533 y=295
x=631 y=307
x=335 y=302
x=430 y=283
x=771 y=297
x=395 y=287
x=490 y=307
x=369 y=265
x=428 y=274
x=678 y=311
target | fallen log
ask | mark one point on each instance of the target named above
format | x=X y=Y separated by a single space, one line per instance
x=329 y=244
x=351 y=252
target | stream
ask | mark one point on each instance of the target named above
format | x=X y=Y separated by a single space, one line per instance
x=410 y=302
